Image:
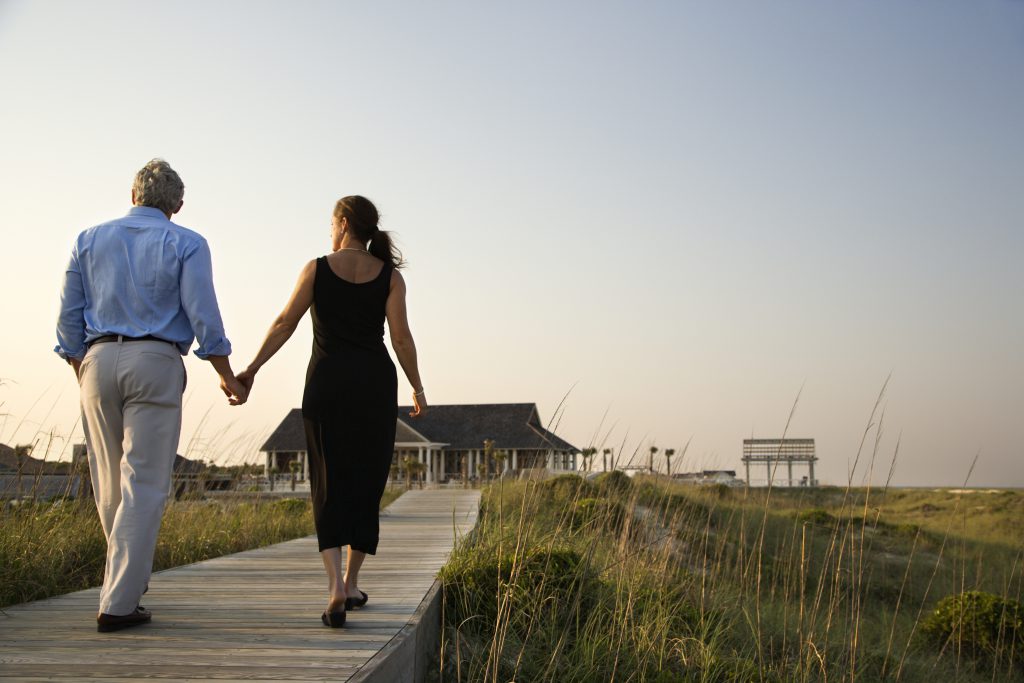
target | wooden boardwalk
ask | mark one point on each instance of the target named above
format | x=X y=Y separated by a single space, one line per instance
x=254 y=615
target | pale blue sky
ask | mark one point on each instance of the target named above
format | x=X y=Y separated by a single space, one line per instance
x=684 y=212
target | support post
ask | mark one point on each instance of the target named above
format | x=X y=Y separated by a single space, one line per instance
x=789 y=464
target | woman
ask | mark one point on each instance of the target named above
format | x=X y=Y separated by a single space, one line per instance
x=349 y=405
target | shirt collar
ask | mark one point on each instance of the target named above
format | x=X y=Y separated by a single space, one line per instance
x=147 y=211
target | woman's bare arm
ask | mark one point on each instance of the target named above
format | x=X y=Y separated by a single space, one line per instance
x=402 y=341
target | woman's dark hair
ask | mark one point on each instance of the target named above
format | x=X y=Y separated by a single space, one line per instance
x=362 y=221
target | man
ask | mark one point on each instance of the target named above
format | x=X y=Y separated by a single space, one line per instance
x=137 y=291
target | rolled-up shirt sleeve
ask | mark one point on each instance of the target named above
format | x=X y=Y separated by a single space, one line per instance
x=199 y=300
x=71 y=319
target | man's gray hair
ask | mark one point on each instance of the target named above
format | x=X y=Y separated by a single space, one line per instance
x=158 y=185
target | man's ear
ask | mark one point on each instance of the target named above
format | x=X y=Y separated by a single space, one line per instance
x=180 y=204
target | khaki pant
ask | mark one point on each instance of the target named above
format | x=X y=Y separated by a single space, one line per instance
x=131 y=411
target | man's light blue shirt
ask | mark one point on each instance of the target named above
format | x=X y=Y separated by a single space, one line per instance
x=136 y=276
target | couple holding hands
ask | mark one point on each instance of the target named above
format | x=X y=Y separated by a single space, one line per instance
x=139 y=289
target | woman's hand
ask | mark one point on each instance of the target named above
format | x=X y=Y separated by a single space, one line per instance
x=419 y=404
x=247 y=377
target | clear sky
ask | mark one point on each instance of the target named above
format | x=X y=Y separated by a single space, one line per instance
x=680 y=214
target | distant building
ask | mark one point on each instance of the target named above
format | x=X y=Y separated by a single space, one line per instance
x=772 y=453
x=633 y=470
x=709 y=477
x=449 y=441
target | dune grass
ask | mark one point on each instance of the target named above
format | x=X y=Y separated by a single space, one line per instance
x=55 y=547
x=650 y=580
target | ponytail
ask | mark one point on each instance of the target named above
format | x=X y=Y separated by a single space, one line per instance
x=383 y=248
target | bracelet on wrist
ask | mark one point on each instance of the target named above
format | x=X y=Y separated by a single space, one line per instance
x=421 y=392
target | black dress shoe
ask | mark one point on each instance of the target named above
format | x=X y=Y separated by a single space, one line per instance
x=106 y=623
x=356 y=603
x=333 y=619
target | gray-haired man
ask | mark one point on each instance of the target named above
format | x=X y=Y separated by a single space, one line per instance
x=137 y=291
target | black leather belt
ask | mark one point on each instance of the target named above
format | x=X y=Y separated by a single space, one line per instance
x=121 y=338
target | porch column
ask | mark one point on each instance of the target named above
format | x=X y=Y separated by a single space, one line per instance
x=440 y=466
x=515 y=460
x=266 y=465
x=551 y=460
x=305 y=465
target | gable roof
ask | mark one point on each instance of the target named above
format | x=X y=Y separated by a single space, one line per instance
x=7 y=460
x=510 y=425
x=290 y=435
x=461 y=427
x=406 y=434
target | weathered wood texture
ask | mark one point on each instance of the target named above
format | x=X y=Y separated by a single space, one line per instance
x=250 y=616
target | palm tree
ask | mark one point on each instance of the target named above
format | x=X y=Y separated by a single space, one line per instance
x=499 y=458
x=588 y=454
x=488 y=455
x=409 y=464
x=294 y=466
x=669 y=452
x=605 y=453
x=416 y=469
x=650 y=462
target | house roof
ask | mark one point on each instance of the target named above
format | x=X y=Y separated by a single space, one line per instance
x=7 y=460
x=406 y=434
x=290 y=435
x=461 y=427
x=28 y=465
x=465 y=426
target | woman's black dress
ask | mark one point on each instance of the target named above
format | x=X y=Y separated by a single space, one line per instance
x=349 y=408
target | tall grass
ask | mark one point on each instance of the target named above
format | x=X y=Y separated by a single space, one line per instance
x=649 y=580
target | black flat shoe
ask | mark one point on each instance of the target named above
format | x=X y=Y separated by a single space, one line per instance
x=355 y=603
x=105 y=623
x=333 y=619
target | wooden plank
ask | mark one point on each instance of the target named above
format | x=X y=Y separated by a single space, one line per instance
x=254 y=615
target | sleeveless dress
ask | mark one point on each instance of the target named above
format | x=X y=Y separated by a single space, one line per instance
x=349 y=408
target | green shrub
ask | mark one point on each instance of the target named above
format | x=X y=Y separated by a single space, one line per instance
x=983 y=625
x=614 y=482
x=292 y=506
x=542 y=583
x=568 y=487
x=596 y=513
x=816 y=516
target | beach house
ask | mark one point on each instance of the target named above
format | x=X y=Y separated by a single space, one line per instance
x=450 y=440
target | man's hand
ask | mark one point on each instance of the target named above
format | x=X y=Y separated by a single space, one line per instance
x=236 y=392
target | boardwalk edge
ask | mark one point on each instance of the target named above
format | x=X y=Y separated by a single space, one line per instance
x=406 y=656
